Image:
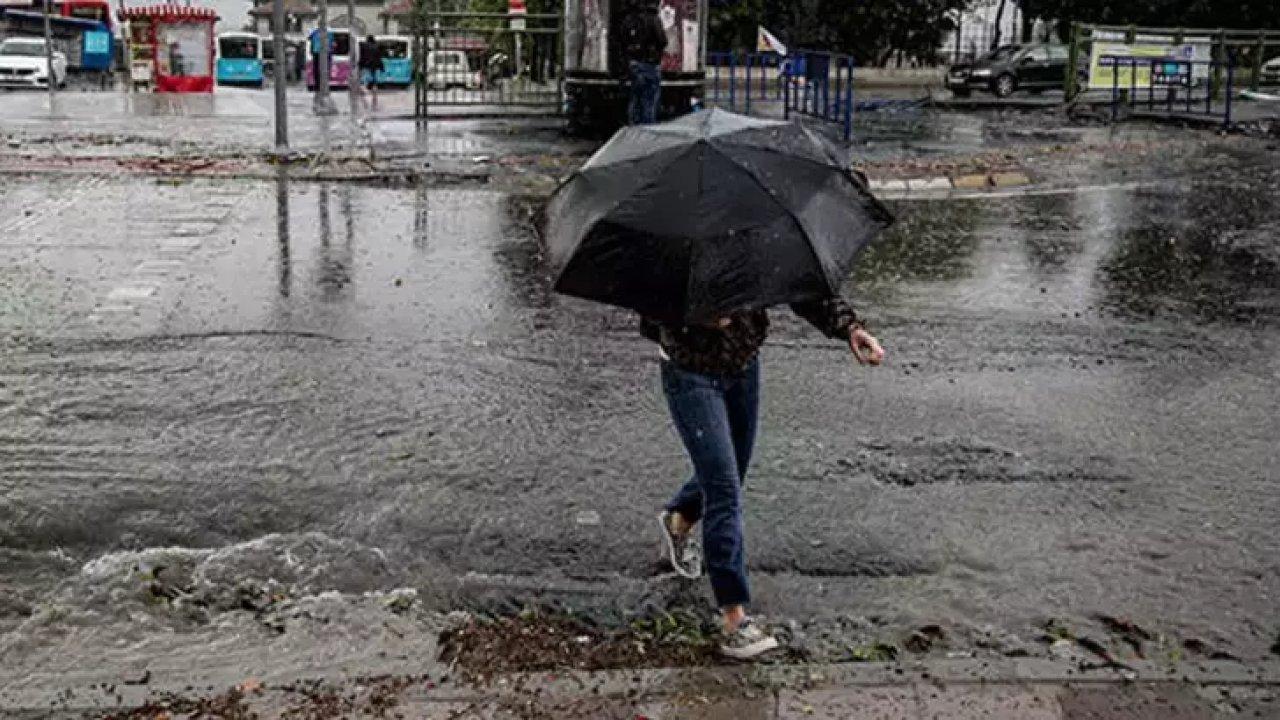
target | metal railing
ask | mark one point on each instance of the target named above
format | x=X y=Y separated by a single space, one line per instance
x=824 y=90
x=1249 y=48
x=741 y=79
x=810 y=83
x=487 y=59
x=1173 y=86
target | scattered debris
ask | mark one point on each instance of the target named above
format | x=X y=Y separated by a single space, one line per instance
x=532 y=642
x=924 y=639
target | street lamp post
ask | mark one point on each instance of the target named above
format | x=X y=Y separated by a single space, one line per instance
x=353 y=81
x=281 y=80
x=48 y=55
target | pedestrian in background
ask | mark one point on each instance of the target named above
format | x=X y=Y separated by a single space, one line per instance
x=643 y=42
x=370 y=62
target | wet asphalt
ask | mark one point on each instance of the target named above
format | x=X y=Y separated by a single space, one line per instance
x=1077 y=416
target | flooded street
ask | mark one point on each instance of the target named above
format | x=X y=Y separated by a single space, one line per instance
x=324 y=386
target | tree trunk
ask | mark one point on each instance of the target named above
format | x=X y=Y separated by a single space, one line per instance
x=995 y=37
x=1028 y=23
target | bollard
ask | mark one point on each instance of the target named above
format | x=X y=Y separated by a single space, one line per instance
x=848 y=101
x=1231 y=77
x=1258 y=50
x=1073 y=63
x=748 y=85
x=1115 y=88
x=733 y=81
x=716 y=91
x=785 y=79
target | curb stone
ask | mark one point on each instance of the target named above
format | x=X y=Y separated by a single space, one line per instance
x=944 y=184
x=748 y=688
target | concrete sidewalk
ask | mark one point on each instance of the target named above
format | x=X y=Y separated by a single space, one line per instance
x=1000 y=688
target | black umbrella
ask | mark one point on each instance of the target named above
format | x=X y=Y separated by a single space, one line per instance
x=709 y=214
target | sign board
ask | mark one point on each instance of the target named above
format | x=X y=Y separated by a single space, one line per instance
x=768 y=42
x=1184 y=63
x=97 y=42
x=517 y=8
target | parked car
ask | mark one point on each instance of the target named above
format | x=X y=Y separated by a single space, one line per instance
x=1010 y=68
x=1271 y=72
x=450 y=68
x=23 y=64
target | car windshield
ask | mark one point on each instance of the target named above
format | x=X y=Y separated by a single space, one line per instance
x=238 y=48
x=394 y=49
x=24 y=48
x=1002 y=53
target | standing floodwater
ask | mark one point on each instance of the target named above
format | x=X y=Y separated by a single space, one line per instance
x=309 y=387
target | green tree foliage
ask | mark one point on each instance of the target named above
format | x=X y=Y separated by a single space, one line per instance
x=870 y=30
x=1237 y=14
x=732 y=26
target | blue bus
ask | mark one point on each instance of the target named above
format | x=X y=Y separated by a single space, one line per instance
x=397 y=60
x=239 y=59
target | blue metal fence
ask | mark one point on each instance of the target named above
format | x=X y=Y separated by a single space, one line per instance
x=823 y=90
x=810 y=83
x=740 y=79
x=1173 y=87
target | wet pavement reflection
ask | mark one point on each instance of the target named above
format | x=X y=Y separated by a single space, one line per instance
x=388 y=368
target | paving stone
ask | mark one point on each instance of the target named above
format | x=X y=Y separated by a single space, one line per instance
x=1009 y=179
x=892 y=185
x=137 y=291
x=936 y=184
x=989 y=702
x=868 y=703
x=970 y=182
x=1133 y=702
x=966 y=671
x=706 y=709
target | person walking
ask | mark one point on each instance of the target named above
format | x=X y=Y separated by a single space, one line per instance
x=698 y=234
x=643 y=42
x=711 y=379
x=370 y=63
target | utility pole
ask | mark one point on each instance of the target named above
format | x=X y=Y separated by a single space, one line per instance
x=323 y=104
x=353 y=52
x=48 y=54
x=281 y=72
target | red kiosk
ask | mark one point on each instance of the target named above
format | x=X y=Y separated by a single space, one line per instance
x=171 y=47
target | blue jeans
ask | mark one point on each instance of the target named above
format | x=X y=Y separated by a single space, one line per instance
x=716 y=417
x=646 y=87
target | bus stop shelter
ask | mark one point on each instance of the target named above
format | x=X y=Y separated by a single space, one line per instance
x=170 y=47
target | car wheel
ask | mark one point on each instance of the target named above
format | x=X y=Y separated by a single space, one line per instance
x=1005 y=85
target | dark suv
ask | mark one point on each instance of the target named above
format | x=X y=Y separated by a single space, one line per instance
x=1010 y=68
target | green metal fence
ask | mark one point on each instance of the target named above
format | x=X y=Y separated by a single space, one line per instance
x=499 y=60
x=1249 y=49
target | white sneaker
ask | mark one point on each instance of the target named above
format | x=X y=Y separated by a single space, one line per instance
x=682 y=548
x=748 y=642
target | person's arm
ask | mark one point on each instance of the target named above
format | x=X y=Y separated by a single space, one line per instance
x=660 y=35
x=831 y=316
x=835 y=319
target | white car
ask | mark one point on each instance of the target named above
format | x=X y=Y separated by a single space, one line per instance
x=23 y=64
x=1271 y=72
x=449 y=68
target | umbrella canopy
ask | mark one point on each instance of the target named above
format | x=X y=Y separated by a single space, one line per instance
x=710 y=214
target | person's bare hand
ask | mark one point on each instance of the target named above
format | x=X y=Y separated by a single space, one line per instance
x=865 y=347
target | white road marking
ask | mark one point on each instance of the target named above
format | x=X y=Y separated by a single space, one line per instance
x=133 y=291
